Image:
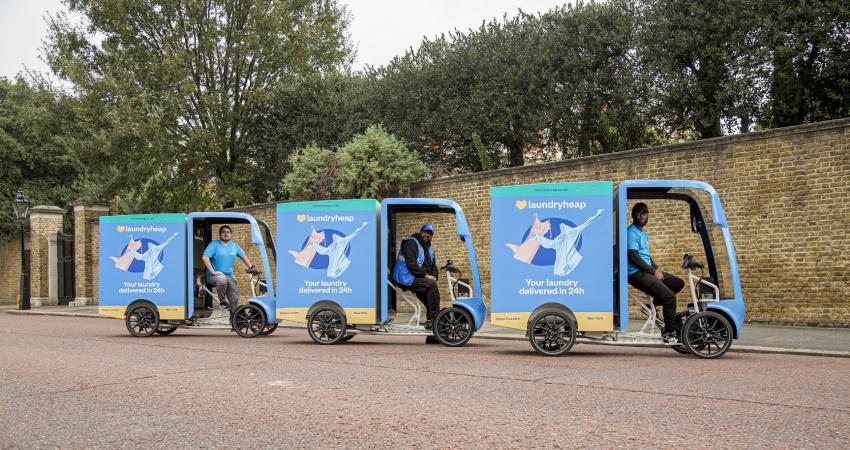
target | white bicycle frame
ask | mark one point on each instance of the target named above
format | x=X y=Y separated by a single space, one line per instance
x=650 y=331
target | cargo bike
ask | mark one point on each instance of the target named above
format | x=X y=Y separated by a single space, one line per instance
x=559 y=267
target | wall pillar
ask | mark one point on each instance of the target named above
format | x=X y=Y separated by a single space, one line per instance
x=45 y=222
x=86 y=219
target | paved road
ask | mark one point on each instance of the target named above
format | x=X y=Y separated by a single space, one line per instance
x=71 y=382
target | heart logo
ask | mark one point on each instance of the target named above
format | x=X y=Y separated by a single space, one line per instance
x=121 y=228
x=301 y=217
x=521 y=204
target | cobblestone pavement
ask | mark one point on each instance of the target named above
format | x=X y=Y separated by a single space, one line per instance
x=68 y=382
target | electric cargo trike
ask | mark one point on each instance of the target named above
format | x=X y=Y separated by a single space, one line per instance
x=559 y=265
x=335 y=276
x=151 y=274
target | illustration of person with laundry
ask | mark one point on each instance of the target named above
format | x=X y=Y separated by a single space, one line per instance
x=337 y=261
x=567 y=257
x=525 y=251
x=123 y=262
x=305 y=256
x=151 y=258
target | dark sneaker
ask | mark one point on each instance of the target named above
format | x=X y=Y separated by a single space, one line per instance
x=670 y=337
x=429 y=325
x=431 y=340
x=224 y=305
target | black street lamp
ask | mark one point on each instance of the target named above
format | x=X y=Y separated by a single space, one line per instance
x=22 y=209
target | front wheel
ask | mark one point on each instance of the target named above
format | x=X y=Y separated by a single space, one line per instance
x=142 y=320
x=248 y=320
x=707 y=335
x=453 y=327
x=326 y=325
x=552 y=333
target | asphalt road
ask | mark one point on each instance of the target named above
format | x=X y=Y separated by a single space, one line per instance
x=72 y=382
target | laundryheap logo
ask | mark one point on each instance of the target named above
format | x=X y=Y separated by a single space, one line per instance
x=324 y=218
x=140 y=229
x=551 y=204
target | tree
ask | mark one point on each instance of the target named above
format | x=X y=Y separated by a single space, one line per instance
x=376 y=164
x=312 y=174
x=693 y=52
x=38 y=133
x=596 y=96
x=808 y=42
x=323 y=109
x=180 y=81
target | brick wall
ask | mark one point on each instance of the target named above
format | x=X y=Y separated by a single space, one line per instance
x=785 y=195
x=10 y=268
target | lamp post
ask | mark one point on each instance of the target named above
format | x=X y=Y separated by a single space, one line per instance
x=22 y=208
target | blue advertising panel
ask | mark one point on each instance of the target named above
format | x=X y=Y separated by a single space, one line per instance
x=328 y=251
x=142 y=257
x=552 y=243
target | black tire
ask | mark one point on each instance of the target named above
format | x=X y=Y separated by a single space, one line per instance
x=269 y=330
x=165 y=330
x=347 y=338
x=248 y=320
x=453 y=327
x=552 y=332
x=326 y=325
x=142 y=320
x=707 y=335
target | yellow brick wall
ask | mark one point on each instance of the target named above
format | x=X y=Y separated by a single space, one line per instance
x=10 y=267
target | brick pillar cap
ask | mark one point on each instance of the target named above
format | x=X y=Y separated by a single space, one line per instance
x=79 y=206
x=44 y=210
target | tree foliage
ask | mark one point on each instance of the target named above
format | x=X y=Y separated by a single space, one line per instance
x=38 y=131
x=180 y=81
x=376 y=164
x=312 y=174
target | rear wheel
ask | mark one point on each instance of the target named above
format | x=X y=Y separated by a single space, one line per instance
x=552 y=333
x=326 y=325
x=707 y=335
x=142 y=320
x=453 y=327
x=269 y=329
x=165 y=330
x=248 y=320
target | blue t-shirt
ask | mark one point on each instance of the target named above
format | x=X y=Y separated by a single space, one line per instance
x=223 y=256
x=637 y=240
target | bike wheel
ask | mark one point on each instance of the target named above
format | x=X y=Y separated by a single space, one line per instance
x=453 y=327
x=552 y=333
x=326 y=325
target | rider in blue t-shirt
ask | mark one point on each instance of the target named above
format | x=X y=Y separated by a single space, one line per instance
x=645 y=275
x=218 y=258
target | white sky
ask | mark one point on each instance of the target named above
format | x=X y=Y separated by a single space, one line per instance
x=379 y=29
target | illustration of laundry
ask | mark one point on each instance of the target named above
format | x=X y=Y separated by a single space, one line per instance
x=567 y=257
x=123 y=262
x=337 y=261
x=526 y=251
x=305 y=256
x=151 y=258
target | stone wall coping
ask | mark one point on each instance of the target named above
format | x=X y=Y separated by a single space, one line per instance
x=639 y=152
x=102 y=207
x=45 y=210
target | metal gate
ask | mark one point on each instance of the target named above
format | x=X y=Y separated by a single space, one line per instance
x=65 y=260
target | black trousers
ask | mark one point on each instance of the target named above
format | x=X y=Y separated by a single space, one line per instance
x=663 y=293
x=426 y=291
